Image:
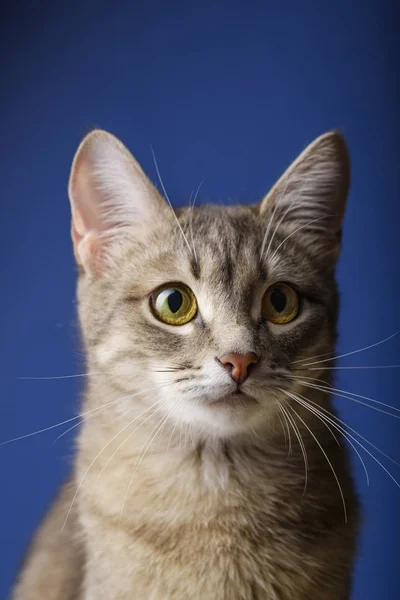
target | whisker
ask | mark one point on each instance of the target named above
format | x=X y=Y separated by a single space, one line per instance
x=267 y=233
x=93 y=410
x=372 y=456
x=254 y=432
x=191 y=206
x=301 y=443
x=99 y=453
x=186 y=434
x=288 y=430
x=277 y=204
x=144 y=449
x=321 y=448
x=331 y=432
x=191 y=436
x=332 y=416
x=329 y=429
x=299 y=229
x=64 y=376
x=171 y=436
x=323 y=418
x=343 y=355
x=127 y=439
x=348 y=395
x=352 y=367
x=68 y=430
x=169 y=201
x=180 y=436
x=175 y=366
x=165 y=370
x=84 y=419
x=197 y=192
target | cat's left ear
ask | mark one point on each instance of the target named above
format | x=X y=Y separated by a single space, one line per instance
x=110 y=196
x=310 y=197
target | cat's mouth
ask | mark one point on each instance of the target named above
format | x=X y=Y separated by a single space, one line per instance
x=238 y=397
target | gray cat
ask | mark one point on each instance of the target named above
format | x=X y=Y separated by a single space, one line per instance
x=206 y=467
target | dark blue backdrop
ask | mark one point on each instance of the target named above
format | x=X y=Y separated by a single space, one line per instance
x=228 y=95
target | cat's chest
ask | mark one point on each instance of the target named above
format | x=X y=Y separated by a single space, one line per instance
x=194 y=508
x=233 y=553
x=194 y=528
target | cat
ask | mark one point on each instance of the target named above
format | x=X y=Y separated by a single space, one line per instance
x=203 y=469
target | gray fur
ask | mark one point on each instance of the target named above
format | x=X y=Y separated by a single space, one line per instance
x=222 y=512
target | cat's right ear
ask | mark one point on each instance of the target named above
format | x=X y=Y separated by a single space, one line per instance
x=109 y=193
x=310 y=197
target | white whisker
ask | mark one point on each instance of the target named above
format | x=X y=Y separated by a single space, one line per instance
x=332 y=416
x=169 y=201
x=192 y=438
x=299 y=229
x=326 y=420
x=93 y=410
x=101 y=452
x=277 y=204
x=371 y=455
x=180 y=436
x=343 y=355
x=144 y=449
x=348 y=395
x=64 y=376
x=186 y=433
x=191 y=207
x=68 y=430
x=354 y=367
x=301 y=443
x=127 y=439
x=322 y=450
x=289 y=439
x=171 y=436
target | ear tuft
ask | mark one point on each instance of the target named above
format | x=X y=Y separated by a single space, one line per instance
x=108 y=192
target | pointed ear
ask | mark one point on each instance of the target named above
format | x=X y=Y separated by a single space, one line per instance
x=108 y=192
x=311 y=196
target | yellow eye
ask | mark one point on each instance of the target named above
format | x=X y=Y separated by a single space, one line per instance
x=280 y=304
x=174 y=304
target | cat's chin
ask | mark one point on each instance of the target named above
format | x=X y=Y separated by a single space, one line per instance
x=234 y=400
x=230 y=414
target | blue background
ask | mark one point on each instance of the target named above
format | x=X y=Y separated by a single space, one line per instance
x=226 y=94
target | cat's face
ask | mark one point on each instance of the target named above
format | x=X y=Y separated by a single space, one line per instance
x=207 y=311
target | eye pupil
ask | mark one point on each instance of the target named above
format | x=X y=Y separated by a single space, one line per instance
x=278 y=299
x=175 y=301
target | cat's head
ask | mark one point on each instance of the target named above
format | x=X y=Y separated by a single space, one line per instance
x=208 y=311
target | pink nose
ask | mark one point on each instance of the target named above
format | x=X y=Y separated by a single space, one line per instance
x=238 y=365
